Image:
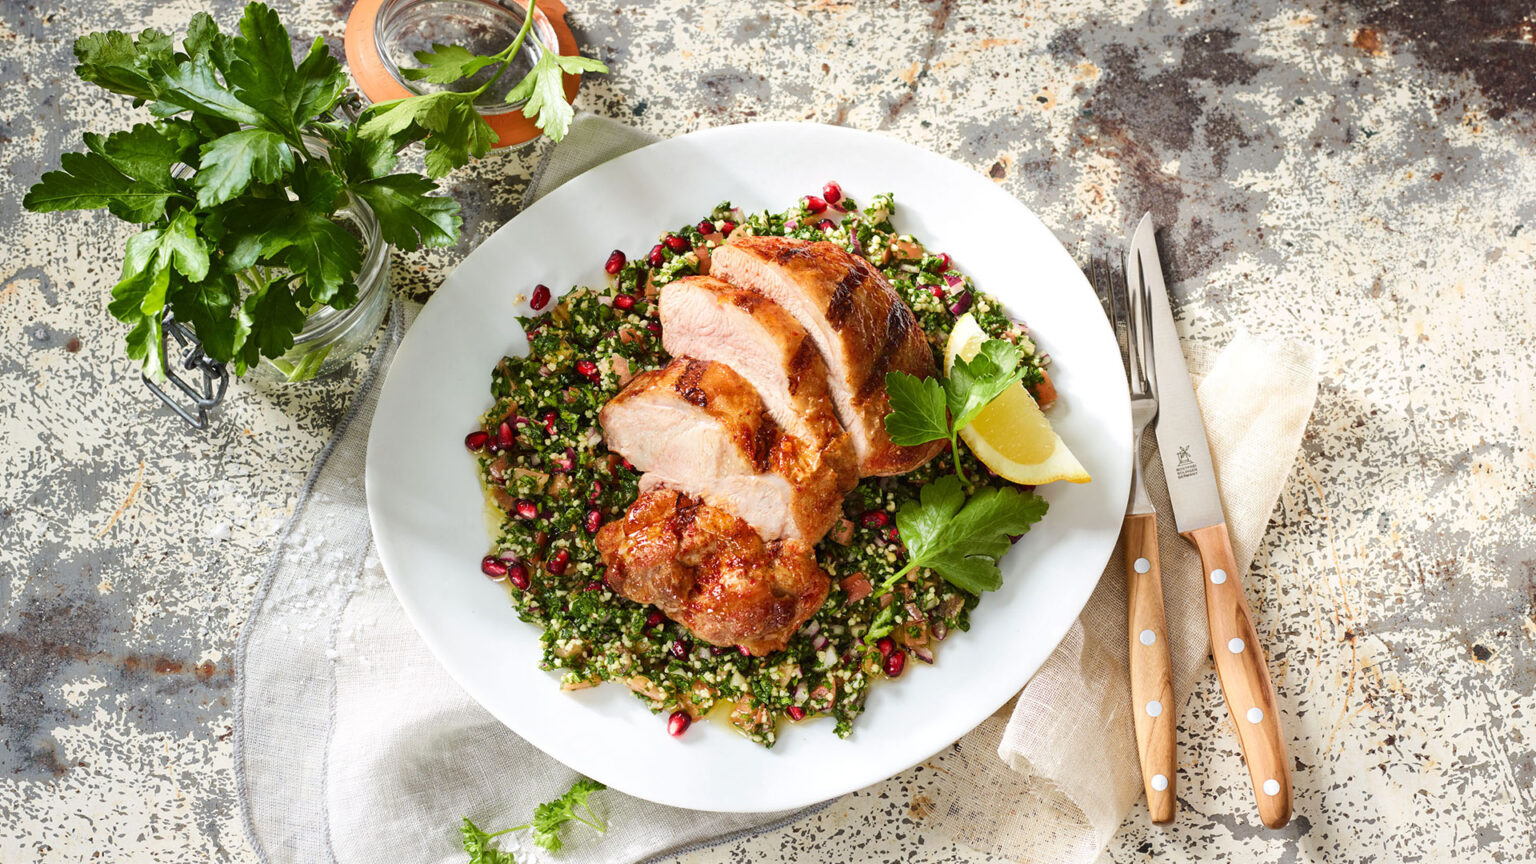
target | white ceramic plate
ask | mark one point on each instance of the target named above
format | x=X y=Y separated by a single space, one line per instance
x=428 y=518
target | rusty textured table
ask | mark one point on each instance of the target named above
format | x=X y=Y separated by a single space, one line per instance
x=1359 y=174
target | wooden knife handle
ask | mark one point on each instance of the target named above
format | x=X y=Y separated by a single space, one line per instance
x=1244 y=675
x=1151 y=672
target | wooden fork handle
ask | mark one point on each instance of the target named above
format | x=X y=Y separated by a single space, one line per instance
x=1244 y=675
x=1151 y=672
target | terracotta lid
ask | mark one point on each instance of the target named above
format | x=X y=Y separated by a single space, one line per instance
x=383 y=34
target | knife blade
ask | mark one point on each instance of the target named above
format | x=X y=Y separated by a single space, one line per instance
x=1180 y=432
x=1191 y=478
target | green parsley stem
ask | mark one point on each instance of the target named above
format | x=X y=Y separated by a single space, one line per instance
x=510 y=51
x=954 y=449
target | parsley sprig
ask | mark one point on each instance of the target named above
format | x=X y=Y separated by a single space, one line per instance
x=548 y=818
x=247 y=241
x=925 y=409
x=959 y=538
x=447 y=123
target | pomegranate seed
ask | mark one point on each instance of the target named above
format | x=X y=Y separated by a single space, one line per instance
x=526 y=509
x=716 y=651
x=832 y=192
x=654 y=327
x=678 y=723
x=475 y=441
x=597 y=492
x=594 y=585
x=895 y=663
x=815 y=205
x=616 y=261
x=706 y=227
x=655 y=258
x=654 y=619
x=504 y=435
x=624 y=301
x=677 y=243
x=493 y=567
x=743 y=650
x=549 y=421
x=593 y=521
x=627 y=464
x=936 y=291
x=795 y=712
x=893 y=535
x=886 y=646
x=588 y=369
x=680 y=648
x=947 y=262
x=961 y=304
x=727 y=227
x=556 y=563
x=517 y=574
x=826 y=225
x=540 y=297
x=875 y=519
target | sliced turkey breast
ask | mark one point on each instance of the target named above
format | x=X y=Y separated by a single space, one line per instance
x=699 y=427
x=707 y=319
x=859 y=324
x=711 y=572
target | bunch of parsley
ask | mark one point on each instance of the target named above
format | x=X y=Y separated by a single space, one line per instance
x=547 y=821
x=244 y=242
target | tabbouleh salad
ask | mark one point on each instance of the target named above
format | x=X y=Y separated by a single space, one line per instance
x=551 y=483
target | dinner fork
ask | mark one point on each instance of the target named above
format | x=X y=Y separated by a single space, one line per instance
x=1151 y=672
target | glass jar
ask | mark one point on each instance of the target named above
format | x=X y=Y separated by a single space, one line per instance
x=331 y=336
x=383 y=36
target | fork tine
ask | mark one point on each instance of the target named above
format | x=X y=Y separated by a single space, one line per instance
x=1144 y=338
x=1132 y=314
x=1120 y=310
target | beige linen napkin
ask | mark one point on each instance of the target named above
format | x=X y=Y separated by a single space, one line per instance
x=1069 y=739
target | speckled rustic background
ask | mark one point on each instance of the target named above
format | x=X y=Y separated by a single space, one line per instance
x=1361 y=174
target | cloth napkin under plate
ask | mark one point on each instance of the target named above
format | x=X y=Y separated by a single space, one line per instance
x=353 y=745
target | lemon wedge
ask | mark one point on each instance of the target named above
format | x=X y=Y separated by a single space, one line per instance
x=1011 y=435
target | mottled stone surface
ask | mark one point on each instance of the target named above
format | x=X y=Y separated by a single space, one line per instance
x=1361 y=174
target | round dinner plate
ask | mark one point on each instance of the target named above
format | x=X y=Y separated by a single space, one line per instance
x=429 y=520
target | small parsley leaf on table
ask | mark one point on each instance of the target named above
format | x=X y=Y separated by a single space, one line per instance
x=547 y=821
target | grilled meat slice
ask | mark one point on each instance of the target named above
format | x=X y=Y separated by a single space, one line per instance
x=859 y=324
x=711 y=572
x=698 y=426
x=707 y=319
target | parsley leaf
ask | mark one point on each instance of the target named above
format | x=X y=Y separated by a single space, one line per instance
x=550 y=815
x=445 y=64
x=917 y=409
x=974 y=383
x=89 y=181
x=962 y=539
x=922 y=410
x=547 y=821
x=230 y=162
x=408 y=216
x=477 y=844
x=116 y=61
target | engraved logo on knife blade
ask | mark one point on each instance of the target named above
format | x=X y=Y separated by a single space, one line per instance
x=1186 y=467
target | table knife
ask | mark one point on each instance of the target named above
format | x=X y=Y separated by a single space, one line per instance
x=1197 y=512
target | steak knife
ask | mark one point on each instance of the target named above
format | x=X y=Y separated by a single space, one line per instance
x=1240 y=662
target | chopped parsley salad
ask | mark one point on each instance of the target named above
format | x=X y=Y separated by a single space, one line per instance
x=551 y=483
